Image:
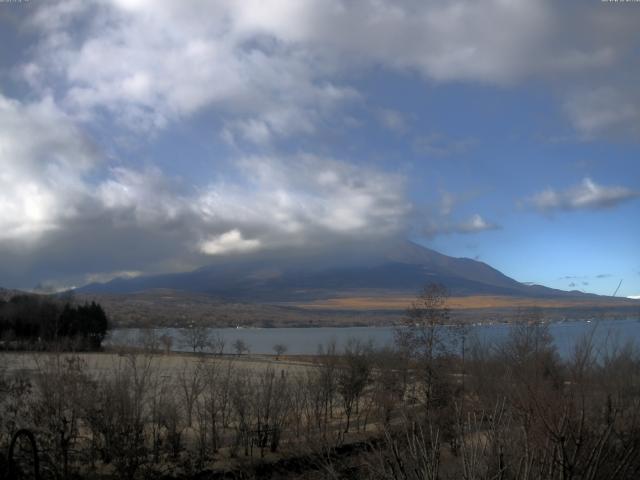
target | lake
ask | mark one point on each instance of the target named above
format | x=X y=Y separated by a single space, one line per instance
x=302 y=341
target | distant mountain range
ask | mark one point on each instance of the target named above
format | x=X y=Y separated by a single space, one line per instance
x=399 y=269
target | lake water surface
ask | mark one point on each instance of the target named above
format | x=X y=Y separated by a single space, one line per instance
x=301 y=341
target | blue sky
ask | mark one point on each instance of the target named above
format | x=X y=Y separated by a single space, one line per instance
x=154 y=136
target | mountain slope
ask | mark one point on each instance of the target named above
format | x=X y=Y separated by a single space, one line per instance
x=402 y=268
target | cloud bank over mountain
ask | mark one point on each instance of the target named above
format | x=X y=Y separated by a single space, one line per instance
x=149 y=136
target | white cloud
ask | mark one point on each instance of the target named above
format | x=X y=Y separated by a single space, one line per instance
x=440 y=218
x=151 y=63
x=604 y=110
x=43 y=158
x=588 y=195
x=634 y=297
x=392 y=119
x=66 y=211
x=102 y=277
x=51 y=177
x=229 y=242
x=447 y=202
x=141 y=197
x=297 y=201
x=306 y=200
x=474 y=224
x=439 y=145
x=276 y=68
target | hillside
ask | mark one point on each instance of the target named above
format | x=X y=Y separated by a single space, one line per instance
x=401 y=268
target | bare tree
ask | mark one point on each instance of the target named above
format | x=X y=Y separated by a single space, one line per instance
x=149 y=340
x=241 y=395
x=218 y=343
x=299 y=402
x=270 y=407
x=353 y=376
x=213 y=405
x=413 y=453
x=240 y=347
x=195 y=337
x=191 y=384
x=391 y=381
x=427 y=337
x=279 y=349
x=167 y=342
x=56 y=410
x=173 y=422
x=423 y=333
x=115 y=412
x=159 y=388
x=14 y=390
x=323 y=384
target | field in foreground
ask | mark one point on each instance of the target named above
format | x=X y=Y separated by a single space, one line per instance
x=361 y=413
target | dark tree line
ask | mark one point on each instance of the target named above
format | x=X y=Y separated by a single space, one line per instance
x=26 y=320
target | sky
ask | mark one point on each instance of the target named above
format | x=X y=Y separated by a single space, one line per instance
x=149 y=136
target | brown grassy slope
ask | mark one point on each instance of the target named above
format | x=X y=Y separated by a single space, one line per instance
x=471 y=302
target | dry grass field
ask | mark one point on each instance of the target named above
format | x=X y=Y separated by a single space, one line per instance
x=170 y=365
x=392 y=302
